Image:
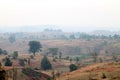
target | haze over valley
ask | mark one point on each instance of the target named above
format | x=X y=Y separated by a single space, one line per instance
x=60 y=40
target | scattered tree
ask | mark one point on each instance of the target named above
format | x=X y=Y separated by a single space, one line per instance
x=34 y=46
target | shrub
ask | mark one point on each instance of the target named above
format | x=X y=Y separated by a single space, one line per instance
x=31 y=56
x=15 y=55
x=54 y=60
x=31 y=73
x=45 y=63
x=36 y=68
x=21 y=62
x=4 y=52
x=72 y=67
x=103 y=76
x=8 y=62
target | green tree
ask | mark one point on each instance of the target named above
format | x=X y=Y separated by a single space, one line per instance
x=15 y=55
x=45 y=63
x=8 y=62
x=72 y=67
x=34 y=46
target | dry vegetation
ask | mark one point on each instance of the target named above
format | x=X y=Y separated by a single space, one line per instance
x=108 y=69
x=95 y=72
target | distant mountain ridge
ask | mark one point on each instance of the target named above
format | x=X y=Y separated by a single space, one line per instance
x=53 y=28
x=104 y=32
x=37 y=28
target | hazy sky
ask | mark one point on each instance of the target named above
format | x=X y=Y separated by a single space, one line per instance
x=64 y=13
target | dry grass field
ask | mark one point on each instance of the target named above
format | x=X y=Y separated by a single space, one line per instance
x=111 y=71
x=67 y=47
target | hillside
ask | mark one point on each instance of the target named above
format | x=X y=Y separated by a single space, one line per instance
x=111 y=71
x=78 y=51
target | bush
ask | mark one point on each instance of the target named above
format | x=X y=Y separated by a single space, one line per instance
x=8 y=62
x=72 y=67
x=36 y=68
x=31 y=73
x=4 y=52
x=67 y=58
x=15 y=55
x=31 y=56
x=54 y=60
x=103 y=76
x=21 y=62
